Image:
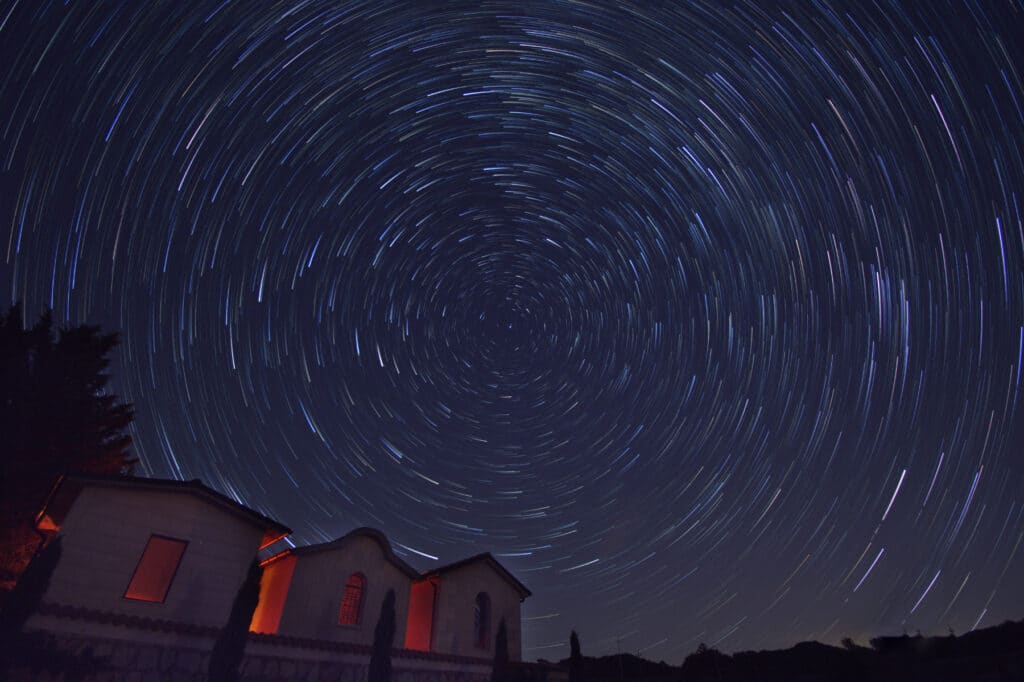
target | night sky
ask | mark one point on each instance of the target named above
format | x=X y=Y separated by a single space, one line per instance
x=707 y=321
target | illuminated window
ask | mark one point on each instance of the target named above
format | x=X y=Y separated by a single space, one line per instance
x=156 y=569
x=420 y=624
x=352 y=600
x=482 y=621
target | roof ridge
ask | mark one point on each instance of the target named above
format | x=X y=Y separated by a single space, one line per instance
x=194 y=486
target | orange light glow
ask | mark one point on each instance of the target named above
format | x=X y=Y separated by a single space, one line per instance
x=277 y=578
x=46 y=523
x=419 y=626
x=156 y=569
x=270 y=538
x=276 y=557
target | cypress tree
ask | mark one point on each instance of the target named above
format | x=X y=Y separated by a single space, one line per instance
x=228 y=650
x=26 y=596
x=383 y=641
x=575 y=659
x=500 y=672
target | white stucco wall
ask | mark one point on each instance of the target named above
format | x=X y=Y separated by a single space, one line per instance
x=453 y=619
x=314 y=597
x=106 y=531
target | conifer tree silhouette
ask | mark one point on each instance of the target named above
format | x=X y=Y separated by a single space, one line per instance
x=575 y=659
x=383 y=640
x=500 y=670
x=228 y=650
x=56 y=417
x=27 y=595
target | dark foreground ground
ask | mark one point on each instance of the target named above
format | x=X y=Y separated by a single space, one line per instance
x=993 y=654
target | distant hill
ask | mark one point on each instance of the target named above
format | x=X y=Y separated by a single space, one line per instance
x=628 y=666
x=994 y=654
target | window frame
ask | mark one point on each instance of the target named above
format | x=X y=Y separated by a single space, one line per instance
x=359 y=604
x=174 y=573
x=482 y=621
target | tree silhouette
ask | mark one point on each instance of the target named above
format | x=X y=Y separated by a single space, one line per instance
x=575 y=658
x=383 y=640
x=35 y=654
x=500 y=670
x=25 y=598
x=706 y=663
x=228 y=650
x=56 y=417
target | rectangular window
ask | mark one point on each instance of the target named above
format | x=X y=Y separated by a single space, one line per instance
x=422 y=598
x=156 y=569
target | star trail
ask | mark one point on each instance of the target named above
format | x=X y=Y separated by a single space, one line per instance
x=706 y=319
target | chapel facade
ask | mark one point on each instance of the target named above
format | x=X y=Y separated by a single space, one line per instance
x=173 y=553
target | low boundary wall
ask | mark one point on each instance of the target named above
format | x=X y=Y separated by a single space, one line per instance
x=141 y=649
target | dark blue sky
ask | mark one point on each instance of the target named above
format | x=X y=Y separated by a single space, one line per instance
x=708 y=321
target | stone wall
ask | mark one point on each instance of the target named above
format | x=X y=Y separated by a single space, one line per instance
x=137 y=650
x=264 y=662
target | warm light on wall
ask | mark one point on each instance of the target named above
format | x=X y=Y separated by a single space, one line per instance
x=156 y=569
x=277 y=578
x=46 y=523
x=270 y=537
x=419 y=626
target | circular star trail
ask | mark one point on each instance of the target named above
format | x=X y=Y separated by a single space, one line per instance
x=706 y=320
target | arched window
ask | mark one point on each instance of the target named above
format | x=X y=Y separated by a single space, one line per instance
x=352 y=600
x=482 y=621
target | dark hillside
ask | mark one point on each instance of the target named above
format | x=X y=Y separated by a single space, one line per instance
x=994 y=654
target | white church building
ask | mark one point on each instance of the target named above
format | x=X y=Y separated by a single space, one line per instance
x=162 y=560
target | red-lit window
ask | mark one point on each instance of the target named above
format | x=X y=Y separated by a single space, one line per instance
x=156 y=569
x=482 y=621
x=352 y=600
x=420 y=623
